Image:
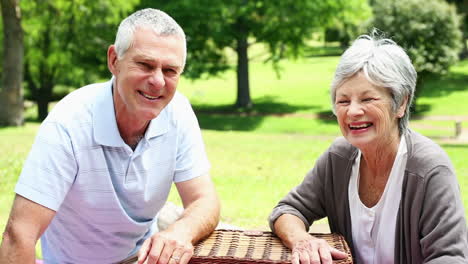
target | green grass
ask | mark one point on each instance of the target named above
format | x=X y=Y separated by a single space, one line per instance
x=447 y=95
x=303 y=88
x=252 y=171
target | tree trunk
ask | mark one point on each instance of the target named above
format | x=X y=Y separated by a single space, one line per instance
x=11 y=93
x=243 y=87
x=43 y=107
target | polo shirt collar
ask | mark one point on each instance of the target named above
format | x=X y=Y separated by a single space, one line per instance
x=159 y=125
x=105 y=127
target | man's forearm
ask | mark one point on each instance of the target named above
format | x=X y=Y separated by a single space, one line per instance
x=199 y=219
x=14 y=251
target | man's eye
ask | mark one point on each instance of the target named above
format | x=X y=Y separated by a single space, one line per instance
x=170 y=71
x=145 y=65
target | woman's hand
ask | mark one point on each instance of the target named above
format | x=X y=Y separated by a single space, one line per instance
x=306 y=249
x=313 y=250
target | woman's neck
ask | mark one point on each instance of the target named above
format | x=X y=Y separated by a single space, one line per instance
x=378 y=158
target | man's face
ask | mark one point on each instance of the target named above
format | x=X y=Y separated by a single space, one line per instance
x=147 y=75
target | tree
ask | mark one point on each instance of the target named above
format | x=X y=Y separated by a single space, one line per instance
x=427 y=29
x=348 y=24
x=214 y=26
x=66 y=43
x=11 y=93
x=462 y=8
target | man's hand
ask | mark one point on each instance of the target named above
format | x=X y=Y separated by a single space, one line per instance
x=165 y=248
x=201 y=215
x=313 y=250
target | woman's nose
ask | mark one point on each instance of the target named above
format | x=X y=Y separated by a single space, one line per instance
x=355 y=109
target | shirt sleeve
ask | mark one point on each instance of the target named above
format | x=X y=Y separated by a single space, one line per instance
x=191 y=159
x=306 y=200
x=50 y=167
x=442 y=224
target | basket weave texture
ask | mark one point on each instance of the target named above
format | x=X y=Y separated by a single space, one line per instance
x=236 y=246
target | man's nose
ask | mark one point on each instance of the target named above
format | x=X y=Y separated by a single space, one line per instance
x=157 y=79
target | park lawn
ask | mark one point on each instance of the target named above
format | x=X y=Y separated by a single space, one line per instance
x=252 y=171
x=447 y=95
x=304 y=84
x=303 y=87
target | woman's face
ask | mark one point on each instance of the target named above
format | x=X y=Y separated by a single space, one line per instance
x=364 y=113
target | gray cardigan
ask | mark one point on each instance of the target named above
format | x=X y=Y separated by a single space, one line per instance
x=431 y=225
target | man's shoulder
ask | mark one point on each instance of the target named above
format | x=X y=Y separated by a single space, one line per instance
x=77 y=105
x=179 y=107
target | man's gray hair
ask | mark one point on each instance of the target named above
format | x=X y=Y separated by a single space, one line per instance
x=160 y=22
x=384 y=64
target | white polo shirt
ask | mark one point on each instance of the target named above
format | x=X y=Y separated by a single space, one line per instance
x=105 y=195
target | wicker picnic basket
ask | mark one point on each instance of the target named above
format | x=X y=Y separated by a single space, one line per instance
x=257 y=247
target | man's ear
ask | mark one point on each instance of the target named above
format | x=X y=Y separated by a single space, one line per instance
x=112 y=60
x=401 y=110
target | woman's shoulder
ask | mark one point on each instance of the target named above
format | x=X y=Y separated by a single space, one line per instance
x=424 y=155
x=341 y=147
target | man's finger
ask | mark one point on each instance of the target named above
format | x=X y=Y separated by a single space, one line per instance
x=185 y=258
x=167 y=251
x=143 y=252
x=155 y=251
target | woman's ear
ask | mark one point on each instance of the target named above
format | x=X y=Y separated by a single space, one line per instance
x=401 y=110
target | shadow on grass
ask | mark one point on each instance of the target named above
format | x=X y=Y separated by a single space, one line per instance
x=225 y=122
x=228 y=117
x=327 y=117
x=443 y=85
x=459 y=146
x=266 y=105
x=418 y=110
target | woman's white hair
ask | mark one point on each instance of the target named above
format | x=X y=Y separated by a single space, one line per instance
x=384 y=64
x=160 y=22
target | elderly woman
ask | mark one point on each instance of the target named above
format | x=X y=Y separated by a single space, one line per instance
x=391 y=192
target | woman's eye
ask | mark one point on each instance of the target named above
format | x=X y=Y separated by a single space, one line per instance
x=367 y=99
x=341 y=102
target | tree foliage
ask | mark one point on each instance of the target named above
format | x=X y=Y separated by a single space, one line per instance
x=66 y=43
x=214 y=26
x=349 y=23
x=427 y=29
x=462 y=9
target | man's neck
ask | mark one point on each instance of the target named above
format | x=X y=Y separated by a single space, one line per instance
x=131 y=130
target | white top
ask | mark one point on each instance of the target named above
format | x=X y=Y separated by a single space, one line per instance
x=105 y=195
x=373 y=229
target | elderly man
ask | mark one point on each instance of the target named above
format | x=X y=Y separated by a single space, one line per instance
x=104 y=160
